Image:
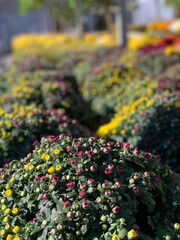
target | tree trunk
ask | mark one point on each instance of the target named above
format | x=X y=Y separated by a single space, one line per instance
x=80 y=25
x=123 y=30
x=57 y=26
x=108 y=17
x=177 y=12
x=80 y=20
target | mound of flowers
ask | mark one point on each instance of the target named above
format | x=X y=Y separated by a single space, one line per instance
x=113 y=81
x=101 y=84
x=154 y=62
x=26 y=124
x=48 y=90
x=150 y=123
x=158 y=127
x=170 y=79
x=87 y=188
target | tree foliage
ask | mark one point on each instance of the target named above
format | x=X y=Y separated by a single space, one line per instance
x=176 y=5
x=29 y=5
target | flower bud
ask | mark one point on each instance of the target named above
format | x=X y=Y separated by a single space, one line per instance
x=103 y=218
x=3 y=200
x=93 y=168
x=38 y=190
x=22 y=194
x=59 y=227
x=168 y=237
x=78 y=233
x=131 y=181
x=104 y=185
x=53 y=231
x=98 y=200
x=68 y=177
x=70 y=214
x=44 y=223
x=116 y=209
x=107 y=192
x=146 y=174
x=86 y=205
x=51 y=187
x=104 y=227
x=177 y=226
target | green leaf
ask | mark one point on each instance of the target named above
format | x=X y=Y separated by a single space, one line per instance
x=44 y=235
x=36 y=229
x=95 y=225
x=48 y=213
x=84 y=229
x=71 y=194
x=122 y=233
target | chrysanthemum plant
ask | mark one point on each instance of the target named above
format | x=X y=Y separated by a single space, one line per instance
x=88 y=189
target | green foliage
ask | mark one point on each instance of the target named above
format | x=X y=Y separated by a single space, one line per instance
x=174 y=3
x=66 y=8
x=29 y=5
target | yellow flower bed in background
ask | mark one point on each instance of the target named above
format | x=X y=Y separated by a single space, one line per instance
x=51 y=45
x=138 y=40
x=159 y=25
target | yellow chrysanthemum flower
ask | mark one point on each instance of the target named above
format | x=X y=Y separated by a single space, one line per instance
x=31 y=167
x=12 y=180
x=3 y=207
x=123 y=131
x=16 y=229
x=9 y=237
x=132 y=234
x=51 y=170
x=8 y=226
x=15 y=211
x=47 y=157
x=6 y=219
x=39 y=151
x=17 y=238
x=43 y=156
x=9 y=192
x=2 y=232
x=169 y=50
x=7 y=211
x=56 y=151
x=58 y=168
x=39 y=167
x=116 y=237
